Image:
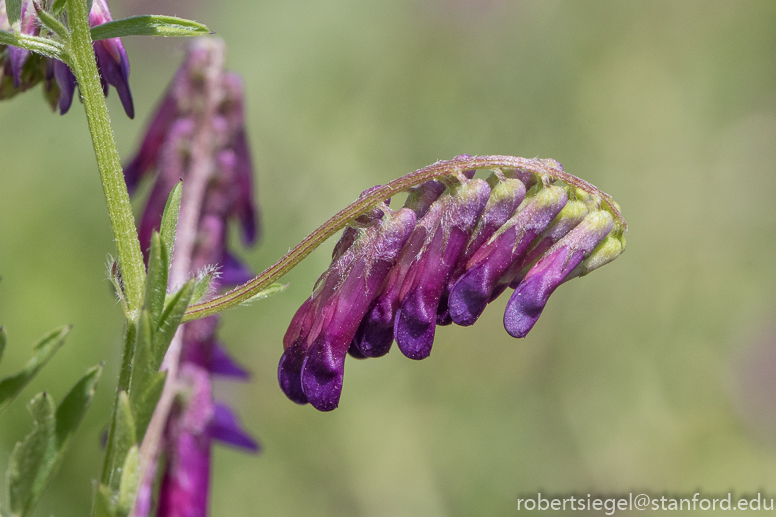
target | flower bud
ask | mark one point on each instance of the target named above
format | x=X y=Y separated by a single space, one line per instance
x=531 y=295
x=472 y=292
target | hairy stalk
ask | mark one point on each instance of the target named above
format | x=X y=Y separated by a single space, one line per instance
x=84 y=66
x=339 y=220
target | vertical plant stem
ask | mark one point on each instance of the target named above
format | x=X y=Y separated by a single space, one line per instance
x=122 y=221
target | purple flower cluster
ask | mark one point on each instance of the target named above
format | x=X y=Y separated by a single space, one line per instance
x=20 y=70
x=455 y=246
x=198 y=135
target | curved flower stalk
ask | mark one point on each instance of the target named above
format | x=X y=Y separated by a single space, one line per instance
x=198 y=135
x=20 y=69
x=454 y=247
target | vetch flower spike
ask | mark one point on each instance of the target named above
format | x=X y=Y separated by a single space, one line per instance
x=531 y=225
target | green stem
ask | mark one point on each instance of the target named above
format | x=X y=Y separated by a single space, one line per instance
x=338 y=221
x=84 y=67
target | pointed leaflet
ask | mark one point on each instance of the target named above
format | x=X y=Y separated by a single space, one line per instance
x=156 y=280
x=169 y=225
x=13 y=8
x=129 y=476
x=146 y=403
x=35 y=460
x=32 y=458
x=169 y=322
x=149 y=25
x=201 y=287
x=103 y=507
x=143 y=364
x=271 y=290
x=50 y=22
x=11 y=386
x=124 y=439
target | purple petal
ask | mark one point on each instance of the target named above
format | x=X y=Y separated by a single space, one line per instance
x=114 y=68
x=322 y=375
x=290 y=373
x=527 y=302
x=66 y=83
x=245 y=206
x=153 y=141
x=111 y=58
x=222 y=363
x=225 y=427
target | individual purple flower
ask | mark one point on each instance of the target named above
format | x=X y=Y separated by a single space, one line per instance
x=18 y=56
x=447 y=235
x=473 y=290
x=527 y=302
x=312 y=367
x=112 y=60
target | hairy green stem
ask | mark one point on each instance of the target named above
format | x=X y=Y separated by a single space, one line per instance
x=84 y=66
x=439 y=169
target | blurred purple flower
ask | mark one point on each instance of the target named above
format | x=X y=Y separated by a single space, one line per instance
x=22 y=70
x=471 y=241
x=198 y=136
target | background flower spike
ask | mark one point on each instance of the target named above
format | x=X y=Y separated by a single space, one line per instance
x=529 y=299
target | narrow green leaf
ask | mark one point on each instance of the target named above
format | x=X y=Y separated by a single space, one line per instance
x=3 y=338
x=171 y=319
x=11 y=386
x=149 y=25
x=71 y=411
x=201 y=287
x=129 y=476
x=143 y=366
x=169 y=225
x=13 y=8
x=156 y=280
x=37 y=44
x=103 y=506
x=273 y=289
x=51 y=23
x=33 y=458
x=125 y=439
x=146 y=403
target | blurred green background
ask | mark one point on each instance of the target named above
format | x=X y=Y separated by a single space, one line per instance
x=656 y=373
